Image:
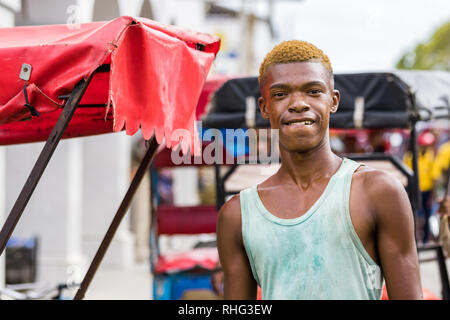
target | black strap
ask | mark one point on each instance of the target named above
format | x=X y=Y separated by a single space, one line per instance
x=32 y=109
x=200 y=46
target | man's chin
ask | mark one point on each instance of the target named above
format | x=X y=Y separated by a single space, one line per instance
x=302 y=148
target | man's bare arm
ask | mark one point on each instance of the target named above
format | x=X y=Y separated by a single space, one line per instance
x=238 y=278
x=394 y=235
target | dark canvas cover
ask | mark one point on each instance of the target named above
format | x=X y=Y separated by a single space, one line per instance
x=389 y=100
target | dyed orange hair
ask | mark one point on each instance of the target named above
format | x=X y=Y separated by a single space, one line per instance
x=293 y=51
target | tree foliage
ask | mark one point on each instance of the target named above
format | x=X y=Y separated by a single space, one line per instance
x=431 y=55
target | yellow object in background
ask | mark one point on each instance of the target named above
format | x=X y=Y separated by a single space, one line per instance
x=425 y=164
x=442 y=160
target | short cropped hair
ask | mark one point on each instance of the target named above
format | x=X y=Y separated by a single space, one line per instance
x=293 y=51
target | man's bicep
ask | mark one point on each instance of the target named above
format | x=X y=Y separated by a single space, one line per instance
x=238 y=278
x=395 y=239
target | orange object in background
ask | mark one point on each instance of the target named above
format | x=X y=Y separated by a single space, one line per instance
x=427 y=294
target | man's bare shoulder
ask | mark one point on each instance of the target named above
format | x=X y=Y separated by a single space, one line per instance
x=377 y=182
x=230 y=213
x=381 y=188
x=229 y=224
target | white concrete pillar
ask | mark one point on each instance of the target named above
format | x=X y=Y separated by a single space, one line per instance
x=140 y=219
x=185 y=186
x=106 y=179
x=74 y=236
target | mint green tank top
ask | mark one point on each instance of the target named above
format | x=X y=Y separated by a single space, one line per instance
x=315 y=256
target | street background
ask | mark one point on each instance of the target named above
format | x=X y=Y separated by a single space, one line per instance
x=357 y=35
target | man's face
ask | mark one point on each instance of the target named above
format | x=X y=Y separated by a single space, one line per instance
x=297 y=98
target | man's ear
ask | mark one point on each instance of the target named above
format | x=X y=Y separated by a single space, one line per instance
x=262 y=108
x=336 y=96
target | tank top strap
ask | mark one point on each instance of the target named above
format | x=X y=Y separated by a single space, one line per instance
x=246 y=200
x=344 y=179
x=348 y=168
x=351 y=167
x=248 y=216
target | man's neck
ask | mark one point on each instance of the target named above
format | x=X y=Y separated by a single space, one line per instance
x=303 y=168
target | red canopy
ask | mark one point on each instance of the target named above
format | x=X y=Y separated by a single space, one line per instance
x=154 y=81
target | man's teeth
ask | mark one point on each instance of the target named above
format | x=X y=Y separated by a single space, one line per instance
x=305 y=122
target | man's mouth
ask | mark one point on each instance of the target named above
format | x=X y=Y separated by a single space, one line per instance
x=300 y=123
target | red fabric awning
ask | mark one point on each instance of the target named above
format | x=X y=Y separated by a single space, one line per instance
x=154 y=82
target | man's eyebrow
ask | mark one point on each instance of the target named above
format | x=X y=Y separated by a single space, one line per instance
x=314 y=83
x=304 y=85
x=278 y=86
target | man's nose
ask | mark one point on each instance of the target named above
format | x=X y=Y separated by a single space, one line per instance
x=297 y=103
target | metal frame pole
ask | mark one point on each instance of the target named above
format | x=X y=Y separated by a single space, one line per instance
x=42 y=161
x=443 y=273
x=220 y=183
x=417 y=205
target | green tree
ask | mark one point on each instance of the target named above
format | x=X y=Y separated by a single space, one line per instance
x=432 y=55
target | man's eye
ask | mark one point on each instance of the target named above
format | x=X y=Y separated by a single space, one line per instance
x=315 y=91
x=278 y=94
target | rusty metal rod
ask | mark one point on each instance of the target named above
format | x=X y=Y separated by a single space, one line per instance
x=42 y=161
x=143 y=168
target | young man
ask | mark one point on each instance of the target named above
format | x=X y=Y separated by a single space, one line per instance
x=322 y=227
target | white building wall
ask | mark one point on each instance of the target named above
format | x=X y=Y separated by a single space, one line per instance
x=7 y=8
x=2 y=211
x=52 y=213
x=74 y=202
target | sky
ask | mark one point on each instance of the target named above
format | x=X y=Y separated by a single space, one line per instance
x=357 y=35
